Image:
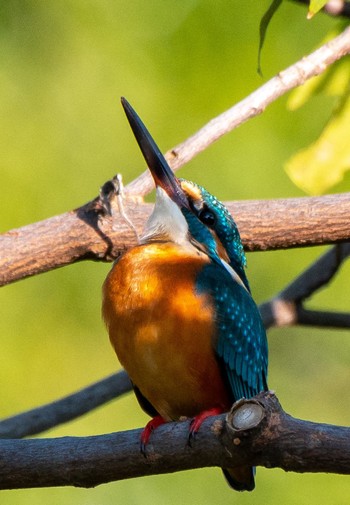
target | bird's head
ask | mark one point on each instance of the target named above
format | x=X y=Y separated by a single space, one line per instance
x=184 y=212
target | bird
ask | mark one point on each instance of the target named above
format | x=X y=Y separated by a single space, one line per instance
x=179 y=311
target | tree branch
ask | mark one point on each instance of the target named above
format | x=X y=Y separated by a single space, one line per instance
x=72 y=406
x=91 y=233
x=88 y=233
x=98 y=231
x=253 y=105
x=322 y=318
x=286 y=308
x=256 y=432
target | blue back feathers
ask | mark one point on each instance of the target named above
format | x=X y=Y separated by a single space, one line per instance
x=241 y=340
x=241 y=343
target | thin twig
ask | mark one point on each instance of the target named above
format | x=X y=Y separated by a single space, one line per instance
x=253 y=105
x=59 y=230
x=318 y=318
x=89 y=233
x=317 y=275
x=287 y=308
x=70 y=407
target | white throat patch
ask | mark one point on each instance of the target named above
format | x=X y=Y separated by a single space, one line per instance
x=166 y=222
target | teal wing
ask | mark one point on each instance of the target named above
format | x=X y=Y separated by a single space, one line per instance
x=241 y=343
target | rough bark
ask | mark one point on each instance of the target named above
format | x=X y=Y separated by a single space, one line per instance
x=256 y=432
x=91 y=233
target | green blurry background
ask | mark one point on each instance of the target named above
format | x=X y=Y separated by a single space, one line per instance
x=63 y=67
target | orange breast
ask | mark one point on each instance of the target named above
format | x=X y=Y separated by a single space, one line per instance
x=163 y=331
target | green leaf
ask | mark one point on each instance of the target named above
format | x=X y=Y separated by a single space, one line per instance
x=323 y=164
x=264 y=23
x=315 y=6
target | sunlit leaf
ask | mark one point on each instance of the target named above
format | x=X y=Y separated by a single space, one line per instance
x=323 y=164
x=264 y=23
x=315 y=6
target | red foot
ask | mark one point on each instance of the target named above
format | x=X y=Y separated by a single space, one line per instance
x=146 y=432
x=197 y=421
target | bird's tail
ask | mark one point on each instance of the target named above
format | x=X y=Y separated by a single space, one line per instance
x=241 y=478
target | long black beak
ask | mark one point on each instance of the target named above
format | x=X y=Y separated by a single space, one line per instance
x=161 y=172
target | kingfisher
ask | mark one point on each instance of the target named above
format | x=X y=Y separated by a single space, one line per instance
x=179 y=310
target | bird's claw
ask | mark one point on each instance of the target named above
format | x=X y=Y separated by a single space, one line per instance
x=197 y=422
x=194 y=427
x=146 y=432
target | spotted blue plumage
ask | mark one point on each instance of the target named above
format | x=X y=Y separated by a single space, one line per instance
x=240 y=342
x=241 y=339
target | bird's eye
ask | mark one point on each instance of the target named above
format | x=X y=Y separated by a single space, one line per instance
x=207 y=217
